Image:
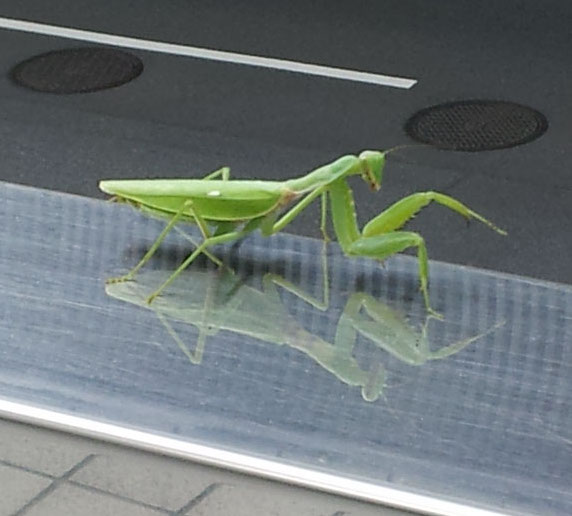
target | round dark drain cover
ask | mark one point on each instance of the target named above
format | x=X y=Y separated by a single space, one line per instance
x=476 y=125
x=77 y=70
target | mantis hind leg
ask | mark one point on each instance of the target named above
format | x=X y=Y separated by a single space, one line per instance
x=131 y=274
x=388 y=244
x=208 y=242
x=187 y=206
x=405 y=209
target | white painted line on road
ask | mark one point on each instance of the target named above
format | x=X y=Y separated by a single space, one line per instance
x=205 y=53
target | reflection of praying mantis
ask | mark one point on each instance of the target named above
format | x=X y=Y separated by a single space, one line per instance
x=226 y=210
x=214 y=301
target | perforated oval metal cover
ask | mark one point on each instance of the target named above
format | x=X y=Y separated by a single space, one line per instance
x=476 y=125
x=77 y=70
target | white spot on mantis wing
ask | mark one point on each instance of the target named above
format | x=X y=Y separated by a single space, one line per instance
x=214 y=193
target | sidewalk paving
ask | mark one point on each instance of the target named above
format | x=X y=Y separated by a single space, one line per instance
x=45 y=473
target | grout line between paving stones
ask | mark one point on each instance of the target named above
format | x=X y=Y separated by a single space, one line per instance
x=123 y=498
x=197 y=499
x=54 y=484
x=26 y=469
x=65 y=478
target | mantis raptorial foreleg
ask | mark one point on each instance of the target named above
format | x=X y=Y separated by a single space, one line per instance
x=405 y=209
x=379 y=238
x=383 y=246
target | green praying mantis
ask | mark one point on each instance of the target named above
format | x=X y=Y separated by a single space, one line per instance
x=214 y=301
x=226 y=210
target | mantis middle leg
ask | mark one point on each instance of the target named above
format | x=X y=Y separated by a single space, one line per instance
x=299 y=207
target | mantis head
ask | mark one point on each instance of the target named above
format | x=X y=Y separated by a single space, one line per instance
x=372 y=167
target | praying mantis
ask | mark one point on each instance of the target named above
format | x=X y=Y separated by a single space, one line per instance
x=227 y=210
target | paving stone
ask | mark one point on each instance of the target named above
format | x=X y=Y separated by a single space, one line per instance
x=155 y=480
x=72 y=500
x=38 y=449
x=147 y=478
x=17 y=487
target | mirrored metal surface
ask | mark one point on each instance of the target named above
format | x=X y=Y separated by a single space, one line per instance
x=357 y=385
